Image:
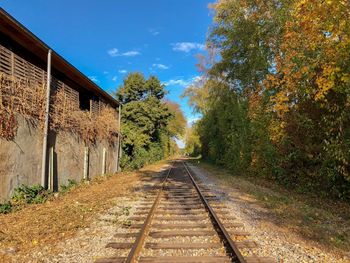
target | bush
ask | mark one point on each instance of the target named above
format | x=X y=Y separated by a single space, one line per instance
x=71 y=184
x=142 y=156
x=6 y=208
x=34 y=194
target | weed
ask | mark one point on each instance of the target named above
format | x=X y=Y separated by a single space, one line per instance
x=71 y=184
x=34 y=194
x=126 y=211
x=6 y=208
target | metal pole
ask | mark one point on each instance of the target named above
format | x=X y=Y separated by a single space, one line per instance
x=119 y=137
x=50 y=177
x=86 y=163
x=103 y=161
x=46 y=124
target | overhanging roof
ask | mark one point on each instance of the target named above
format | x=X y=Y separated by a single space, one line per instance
x=22 y=36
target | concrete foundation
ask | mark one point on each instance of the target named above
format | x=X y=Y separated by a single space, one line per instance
x=20 y=159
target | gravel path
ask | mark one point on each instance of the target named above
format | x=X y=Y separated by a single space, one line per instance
x=272 y=240
x=90 y=243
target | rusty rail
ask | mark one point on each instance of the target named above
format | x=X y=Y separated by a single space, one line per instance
x=140 y=240
x=229 y=244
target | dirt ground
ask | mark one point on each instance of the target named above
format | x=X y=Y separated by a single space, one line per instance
x=276 y=218
x=74 y=227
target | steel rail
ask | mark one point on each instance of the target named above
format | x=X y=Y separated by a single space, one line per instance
x=140 y=240
x=228 y=242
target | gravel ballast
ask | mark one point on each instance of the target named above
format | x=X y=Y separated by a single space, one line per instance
x=273 y=241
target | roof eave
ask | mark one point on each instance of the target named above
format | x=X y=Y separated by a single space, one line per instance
x=16 y=31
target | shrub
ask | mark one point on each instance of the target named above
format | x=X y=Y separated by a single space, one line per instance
x=71 y=184
x=34 y=194
x=6 y=208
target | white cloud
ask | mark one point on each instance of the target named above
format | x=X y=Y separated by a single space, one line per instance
x=154 y=31
x=179 y=82
x=114 y=78
x=130 y=54
x=114 y=52
x=122 y=71
x=187 y=46
x=93 y=78
x=182 y=82
x=160 y=66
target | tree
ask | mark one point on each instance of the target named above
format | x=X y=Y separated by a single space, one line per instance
x=193 y=144
x=277 y=101
x=177 y=123
x=146 y=121
x=133 y=88
x=311 y=91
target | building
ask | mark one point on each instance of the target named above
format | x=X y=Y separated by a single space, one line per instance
x=83 y=121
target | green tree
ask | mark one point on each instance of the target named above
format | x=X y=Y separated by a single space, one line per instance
x=133 y=88
x=193 y=144
x=177 y=123
x=145 y=121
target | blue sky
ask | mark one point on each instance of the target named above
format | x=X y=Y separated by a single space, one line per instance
x=109 y=38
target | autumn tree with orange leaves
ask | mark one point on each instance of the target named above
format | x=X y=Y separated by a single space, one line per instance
x=287 y=63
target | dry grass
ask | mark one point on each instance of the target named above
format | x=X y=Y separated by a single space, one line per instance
x=61 y=218
x=28 y=98
x=19 y=96
x=325 y=223
x=66 y=115
x=22 y=96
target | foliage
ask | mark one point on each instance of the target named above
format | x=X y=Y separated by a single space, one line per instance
x=199 y=96
x=177 y=124
x=6 y=208
x=193 y=145
x=66 y=188
x=311 y=88
x=277 y=102
x=34 y=194
x=27 y=98
x=65 y=115
x=225 y=126
x=148 y=123
x=19 y=96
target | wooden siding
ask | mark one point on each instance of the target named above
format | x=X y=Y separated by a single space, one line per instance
x=13 y=65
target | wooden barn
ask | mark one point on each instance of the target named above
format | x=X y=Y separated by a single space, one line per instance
x=51 y=128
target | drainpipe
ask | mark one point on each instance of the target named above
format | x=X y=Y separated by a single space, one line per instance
x=119 y=139
x=46 y=124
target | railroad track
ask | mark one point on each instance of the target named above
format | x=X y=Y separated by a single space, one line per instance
x=184 y=223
